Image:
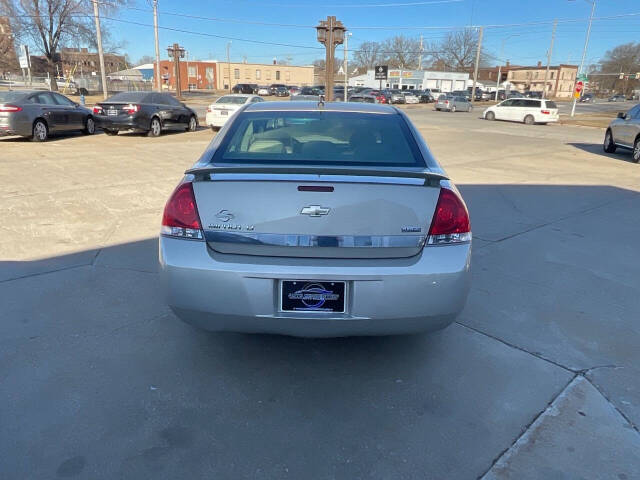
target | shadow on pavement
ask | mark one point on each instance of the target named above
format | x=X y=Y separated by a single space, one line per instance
x=596 y=148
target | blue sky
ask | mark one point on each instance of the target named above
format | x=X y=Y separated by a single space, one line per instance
x=523 y=44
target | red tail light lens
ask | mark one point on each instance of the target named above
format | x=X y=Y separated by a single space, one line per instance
x=97 y=110
x=10 y=108
x=180 y=218
x=450 y=222
x=545 y=112
x=130 y=109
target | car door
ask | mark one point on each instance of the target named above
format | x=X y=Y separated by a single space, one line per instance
x=625 y=132
x=502 y=110
x=74 y=115
x=164 y=109
x=179 y=113
x=54 y=115
x=517 y=110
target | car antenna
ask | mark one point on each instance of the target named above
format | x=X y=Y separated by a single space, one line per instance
x=321 y=101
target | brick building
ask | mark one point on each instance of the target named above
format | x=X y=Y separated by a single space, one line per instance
x=560 y=81
x=8 y=57
x=194 y=75
x=78 y=62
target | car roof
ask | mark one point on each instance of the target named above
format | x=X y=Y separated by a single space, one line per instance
x=304 y=106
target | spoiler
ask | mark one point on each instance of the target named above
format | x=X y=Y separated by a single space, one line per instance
x=201 y=173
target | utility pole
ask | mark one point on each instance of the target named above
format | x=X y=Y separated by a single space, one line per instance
x=420 y=58
x=103 y=75
x=475 y=72
x=346 y=64
x=584 y=51
x=549 y=53
x=155 y=29
x=228 y=66
x=330 y=33
x=176 y=52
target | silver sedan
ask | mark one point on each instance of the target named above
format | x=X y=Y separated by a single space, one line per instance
x=320 y=220
x=453 y=103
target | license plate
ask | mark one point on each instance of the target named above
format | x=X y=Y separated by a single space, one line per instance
x=224 y=112
x=112 y=112
x=312 y=296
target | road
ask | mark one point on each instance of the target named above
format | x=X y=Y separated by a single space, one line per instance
x=538 y=378
x=600 y=106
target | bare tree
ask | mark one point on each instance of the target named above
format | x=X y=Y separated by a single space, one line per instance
x=401 y=52
x=457 y=51
x=367 y=55
x=621 y=59
x=51 y=24
x=146 y=59
x=8 y=58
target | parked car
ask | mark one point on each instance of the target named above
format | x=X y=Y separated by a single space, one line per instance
x=462 y=93
x=424 y=96
x=324 y=198
x=150 y=112
x=617 y=98
x=588 y=98
x=380 y=95
x=453 y=103
x=397 y=96
x=294 y=90
x=514 y=94
x=263 y=91
x=624 y=132
x=533 y=94
x=410 y=97
x=524 y=110
x=274 y=86
x=246 y=88
x=311 y=91
x=281 y=92
x=40 y=114
x=363 y=98
x=221 y=110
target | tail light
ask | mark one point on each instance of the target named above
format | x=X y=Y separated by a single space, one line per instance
x=209 y=109
x=180 y=218
x=10 y=108
x=97 y=109
x=450 y=222
x=545 y=112
x=446 y=102
x=130 y=109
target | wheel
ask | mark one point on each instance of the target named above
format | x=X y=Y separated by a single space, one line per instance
x=490 y=116
x=635 y=156
x=155 y=128
x=609 y=145
x=40 y=131
x=193 y=124
x=529 y=120
x=110 y=132
x=89 y=126
x=453 y=109
x=214 y=129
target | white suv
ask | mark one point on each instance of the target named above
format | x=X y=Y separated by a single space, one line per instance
x=524 y=110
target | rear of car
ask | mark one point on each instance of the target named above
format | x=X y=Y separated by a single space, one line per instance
x=17 y=113
x=310 y=220
x=125 y=111
x=411 y=97
x=444 y=103
x=221 y=110
x=263 y=91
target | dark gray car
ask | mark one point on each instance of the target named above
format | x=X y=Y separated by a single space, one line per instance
x=39 y=114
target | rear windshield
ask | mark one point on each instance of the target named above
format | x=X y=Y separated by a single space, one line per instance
x=129 y=97
x=11 y=96
x=320 y=138
x=232 y=100
x=551 y=104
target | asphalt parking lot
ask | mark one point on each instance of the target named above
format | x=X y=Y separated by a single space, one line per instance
x=538 y=378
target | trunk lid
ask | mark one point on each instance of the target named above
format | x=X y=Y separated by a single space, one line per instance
x=294 y=216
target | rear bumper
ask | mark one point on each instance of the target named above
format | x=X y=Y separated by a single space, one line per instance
x=122 y=122
x=215 y=120
x=20 y=125
x=239 y=293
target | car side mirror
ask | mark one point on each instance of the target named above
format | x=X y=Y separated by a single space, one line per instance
x=622 y=115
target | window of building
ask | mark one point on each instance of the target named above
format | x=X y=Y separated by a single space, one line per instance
x=236 y=73
x=277 y=74
x=209 y=73
x=192 y=71
x=258 y=74
x=553 y=74
x=287 y=75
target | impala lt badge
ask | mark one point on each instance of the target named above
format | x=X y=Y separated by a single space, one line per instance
x=315 y=211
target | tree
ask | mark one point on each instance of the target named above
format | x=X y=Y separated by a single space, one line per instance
x=457 y=51
x=146 y=59
x=621 y=59
x=51 y=24
x=401 y=52
x=368 y=55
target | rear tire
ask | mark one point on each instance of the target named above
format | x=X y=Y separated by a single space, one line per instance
x=193 y=124
x=609 y=145
x=529 y=120
x=155 y=128
x=635 y=156
x=110 y=132
x=490 y=116
x=89 y=126
x=40 y=131
x=214 y=129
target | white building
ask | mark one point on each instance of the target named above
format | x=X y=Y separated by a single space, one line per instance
x=413 y=79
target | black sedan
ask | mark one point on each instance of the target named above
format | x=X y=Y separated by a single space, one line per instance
x=149 y=112
x=39 y=114
x=281 y=91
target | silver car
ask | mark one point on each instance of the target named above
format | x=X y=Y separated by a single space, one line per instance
x=453 y=103
x=316 y=220
x=624 y=132
x=37 y=114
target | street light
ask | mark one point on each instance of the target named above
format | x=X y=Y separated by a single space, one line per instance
x=584 y=51
x=504 y=40
x=229 y=65
x=346 y=64
x=330 y=32
x=176 y=52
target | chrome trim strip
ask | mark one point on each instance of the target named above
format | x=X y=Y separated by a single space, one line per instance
x=315 y=178
x=345 y=241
